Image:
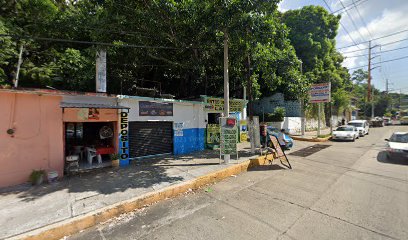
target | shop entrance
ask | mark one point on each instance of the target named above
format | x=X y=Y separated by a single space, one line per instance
x=90 y=143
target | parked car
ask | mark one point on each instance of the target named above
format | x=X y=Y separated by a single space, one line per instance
x=361 y=125
x=387 y=121
x=275 y=132
x=377 y=122
x=404 y=120
x=397 y=146
x=346 y=132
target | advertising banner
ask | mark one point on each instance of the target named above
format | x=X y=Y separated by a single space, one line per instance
x=217 y=104
x=229 y=136
x=213 y=133
x=320 y=93
x=147 y=108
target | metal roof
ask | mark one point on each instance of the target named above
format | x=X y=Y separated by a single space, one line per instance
x=91 y=105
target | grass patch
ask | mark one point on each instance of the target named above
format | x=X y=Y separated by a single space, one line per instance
x=324 y=135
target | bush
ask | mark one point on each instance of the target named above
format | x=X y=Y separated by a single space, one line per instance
x=277 y=116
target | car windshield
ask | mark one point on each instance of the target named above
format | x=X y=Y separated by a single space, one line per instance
x=343 y=129
x=355 y=124
x=401 y=138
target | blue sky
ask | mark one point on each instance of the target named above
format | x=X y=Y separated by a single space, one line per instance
x=366 y=20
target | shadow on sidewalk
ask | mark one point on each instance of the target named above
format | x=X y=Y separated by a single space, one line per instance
x=141 y=174
x=274 y=166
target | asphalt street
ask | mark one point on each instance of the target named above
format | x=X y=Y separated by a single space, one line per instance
x=344 y=191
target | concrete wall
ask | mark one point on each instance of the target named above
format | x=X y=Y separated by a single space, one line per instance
x=189 y=113
x=38 y=139
x=268 y=105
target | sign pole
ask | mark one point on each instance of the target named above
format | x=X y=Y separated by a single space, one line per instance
x=226 y=86
x=318 y=119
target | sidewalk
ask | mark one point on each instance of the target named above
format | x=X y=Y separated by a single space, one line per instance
x=312 y=136
x=26 y=208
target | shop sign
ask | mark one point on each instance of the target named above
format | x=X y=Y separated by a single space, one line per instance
x=228 y=137
x=243 y=136
x=124 y=139
x=217 y=104
x=147 y=108
x=93 y=114
x=178 y=129
x=83 y=114
x=320 y=93
x=213 y=133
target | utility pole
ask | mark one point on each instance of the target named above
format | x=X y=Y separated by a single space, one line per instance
x=226 y=85
x=20 y=61
x=250 y=110
x=386 y=85
x=302 y=106
x=369 y=73
x=372 y=105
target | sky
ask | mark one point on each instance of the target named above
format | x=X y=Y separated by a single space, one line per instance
x=367 y=20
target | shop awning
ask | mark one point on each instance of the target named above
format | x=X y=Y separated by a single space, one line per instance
x=90 y=105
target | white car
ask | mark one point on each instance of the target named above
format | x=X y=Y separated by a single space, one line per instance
x=397 y=146
x=361 y=125
x=345 y=133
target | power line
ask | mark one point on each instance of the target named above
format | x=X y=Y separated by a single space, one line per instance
x=93 y=42
x=352 y=21
x=389 y=35
x=341 y=24
x=362 y=19
x=385 y=44
x=350 y=6
x=378 y=53
x=378 y=63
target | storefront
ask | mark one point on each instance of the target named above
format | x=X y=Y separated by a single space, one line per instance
x=163 y=126
x=92 y=132
x=214 y=108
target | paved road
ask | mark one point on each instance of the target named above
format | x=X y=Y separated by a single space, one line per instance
x=346 y=191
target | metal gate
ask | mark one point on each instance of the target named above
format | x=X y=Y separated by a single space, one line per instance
x=150 y=138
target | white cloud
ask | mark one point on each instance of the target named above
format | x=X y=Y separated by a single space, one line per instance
x=390 y=21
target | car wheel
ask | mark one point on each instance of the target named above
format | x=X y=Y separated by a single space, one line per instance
x=368 y=132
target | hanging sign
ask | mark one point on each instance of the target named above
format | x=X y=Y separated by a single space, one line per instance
x=101 y=71
x=320 y=93
x=124 y=139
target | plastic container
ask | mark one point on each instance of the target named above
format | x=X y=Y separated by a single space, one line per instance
x=52 y=176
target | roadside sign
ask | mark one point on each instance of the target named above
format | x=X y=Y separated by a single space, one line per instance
x=229 y=136
x=320 y=93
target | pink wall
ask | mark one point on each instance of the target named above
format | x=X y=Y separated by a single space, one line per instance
x=38 y=139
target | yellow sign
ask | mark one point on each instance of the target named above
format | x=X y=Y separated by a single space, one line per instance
x=213 y=133
x=243 y=137
x=217 y=104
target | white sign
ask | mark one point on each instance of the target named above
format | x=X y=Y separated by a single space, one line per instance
x=320 y=93
x=101 y=71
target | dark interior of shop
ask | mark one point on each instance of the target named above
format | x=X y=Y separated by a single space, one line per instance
x=92 y=143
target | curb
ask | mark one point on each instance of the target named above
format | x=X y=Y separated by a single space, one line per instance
x=311 y=139
x=76 y=224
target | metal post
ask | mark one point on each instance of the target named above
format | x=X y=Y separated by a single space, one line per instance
x=20 y=61
x=226 y=85
x=318 y=119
